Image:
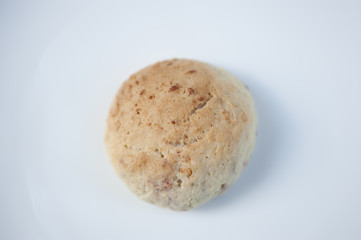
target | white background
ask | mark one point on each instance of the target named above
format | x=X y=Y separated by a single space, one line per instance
x=61 y=64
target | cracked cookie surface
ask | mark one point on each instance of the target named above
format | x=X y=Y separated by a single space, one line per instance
x=180 y=132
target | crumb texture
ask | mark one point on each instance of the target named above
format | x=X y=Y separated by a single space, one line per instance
x=180 y=132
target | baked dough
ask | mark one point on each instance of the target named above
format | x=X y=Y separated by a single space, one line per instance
x=180 y=132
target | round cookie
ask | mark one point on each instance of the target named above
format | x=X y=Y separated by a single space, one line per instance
x=180 y=132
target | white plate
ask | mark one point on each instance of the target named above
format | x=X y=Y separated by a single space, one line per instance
x=62 y=63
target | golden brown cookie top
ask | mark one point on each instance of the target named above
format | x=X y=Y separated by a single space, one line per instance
x=174 y=124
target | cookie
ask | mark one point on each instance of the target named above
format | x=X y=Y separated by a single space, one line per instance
x=180 y=132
